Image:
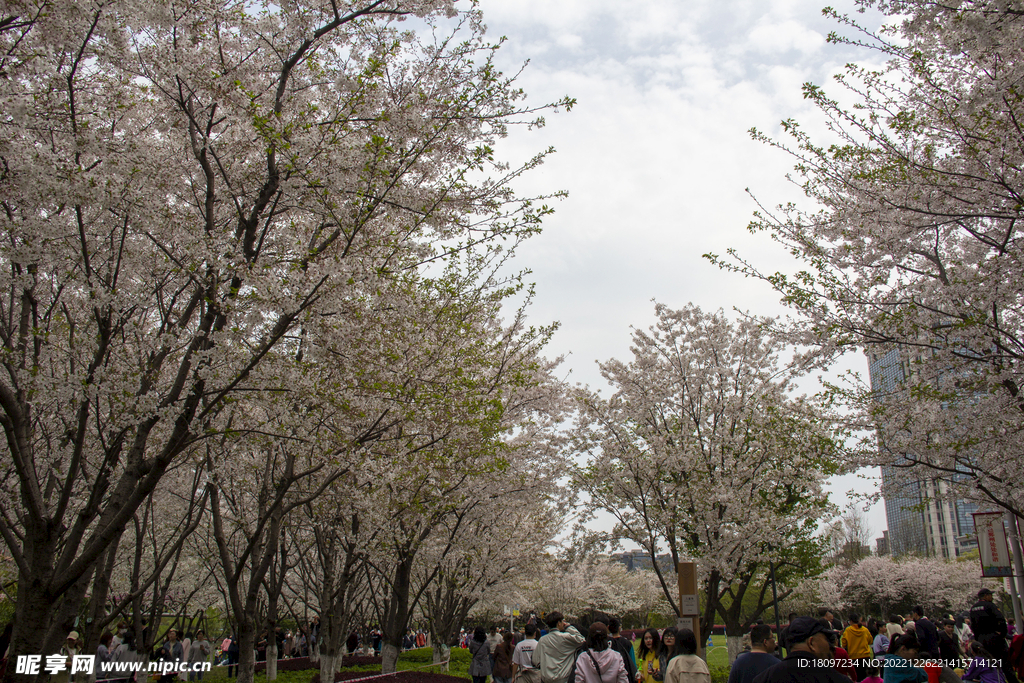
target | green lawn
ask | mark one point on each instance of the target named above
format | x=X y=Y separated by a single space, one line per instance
x=414 y=659
x=718 y=662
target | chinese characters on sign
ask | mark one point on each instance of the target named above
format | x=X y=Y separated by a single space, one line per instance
x=995 y=556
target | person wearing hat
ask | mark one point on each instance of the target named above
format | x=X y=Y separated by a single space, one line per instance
x=986 y=617
x=70 y=647
x=807 y=661
x=599 y=663
x=989 y=627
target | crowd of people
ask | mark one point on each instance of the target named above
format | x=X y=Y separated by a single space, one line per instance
x=974 y=647
x=554 y=651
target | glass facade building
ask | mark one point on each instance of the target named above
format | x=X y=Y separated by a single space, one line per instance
x=922 y=518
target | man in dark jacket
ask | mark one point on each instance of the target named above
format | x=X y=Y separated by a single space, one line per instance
x=989 y=627
x=749 y=665
x=807 y=661
x=926 y=632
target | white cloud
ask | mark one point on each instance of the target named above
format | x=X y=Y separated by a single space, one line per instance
x=656 y=155
x=785 y=35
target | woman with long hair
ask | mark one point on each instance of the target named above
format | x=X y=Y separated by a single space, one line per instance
x=647 y=659
x=668 y=650
x=480 y=667
x=502 y=672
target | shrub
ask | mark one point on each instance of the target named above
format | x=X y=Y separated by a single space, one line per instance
x=719 y=674
x=303 y=663
x=398 y=677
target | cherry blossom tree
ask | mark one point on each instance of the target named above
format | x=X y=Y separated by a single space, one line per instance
x=912 y=238
x=598 y=584
x=156 y=564
x=498 y=546
x=702 y=451
x=185 y=187
x=882 y=585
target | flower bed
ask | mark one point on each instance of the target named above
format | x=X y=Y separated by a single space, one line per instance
x=303 y=663
x=398 y=677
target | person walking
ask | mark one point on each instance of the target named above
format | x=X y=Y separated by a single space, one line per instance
x=494 y=639
x=233 y=651
x=198 y=655
x=502 y=670
x=927 y=633
x=554 y=652
x=174 y=647
x=124 y=654
x=669 y=649
x=480 y=666
x=600 y=663
x=523 y=670
x=687 y=667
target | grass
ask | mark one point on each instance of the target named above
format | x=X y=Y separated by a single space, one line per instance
x=413 y=659
x=718 y=663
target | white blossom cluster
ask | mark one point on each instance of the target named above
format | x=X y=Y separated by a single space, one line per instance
x=251 y=331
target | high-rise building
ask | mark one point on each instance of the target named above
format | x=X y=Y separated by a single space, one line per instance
x=882 y=544
x=922 y=517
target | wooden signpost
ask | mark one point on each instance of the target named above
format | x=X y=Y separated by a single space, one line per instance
x=689 y=603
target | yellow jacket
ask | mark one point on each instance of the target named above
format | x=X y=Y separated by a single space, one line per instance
x=857 y=641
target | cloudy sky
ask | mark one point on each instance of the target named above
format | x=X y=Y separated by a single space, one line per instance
x=656 y=156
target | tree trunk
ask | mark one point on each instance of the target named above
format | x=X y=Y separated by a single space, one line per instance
x=272 y=656
x=389 y=657
x=32 y=613
x=735 y=645
x=246 y=650
x=328 y=666
x=442 y=653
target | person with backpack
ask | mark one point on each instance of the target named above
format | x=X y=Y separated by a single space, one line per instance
x=555 y=651
x=599 y=662
x=623 y=646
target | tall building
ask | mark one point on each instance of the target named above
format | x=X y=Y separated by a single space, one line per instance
x=882 y=544
x=921 y=516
